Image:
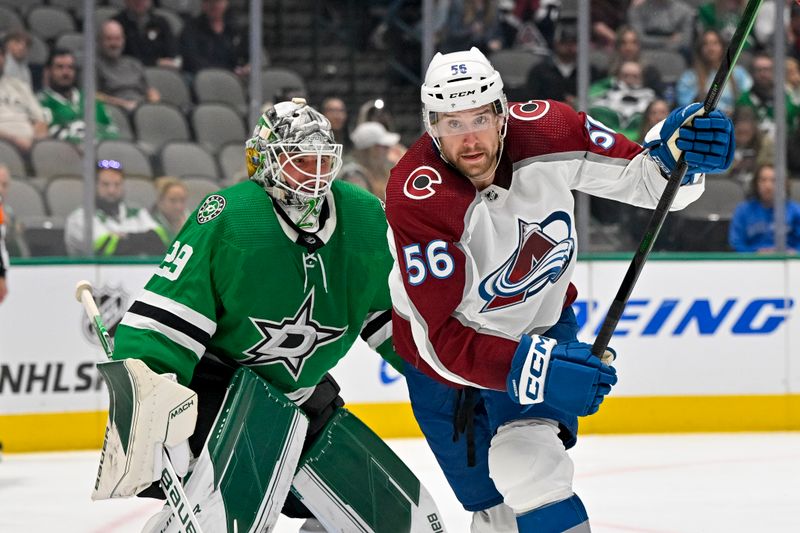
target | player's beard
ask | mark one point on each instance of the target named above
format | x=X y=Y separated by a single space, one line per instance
x=480 y=170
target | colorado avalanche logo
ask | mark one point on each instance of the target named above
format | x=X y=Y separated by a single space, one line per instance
x=533 y=110
x=419 y=184
x=543 y=253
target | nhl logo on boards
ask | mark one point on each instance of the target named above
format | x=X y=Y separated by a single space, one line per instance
x=112 y=302
x=211 y=208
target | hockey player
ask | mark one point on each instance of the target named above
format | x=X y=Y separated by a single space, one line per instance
x=270 y=281
x=482 y=230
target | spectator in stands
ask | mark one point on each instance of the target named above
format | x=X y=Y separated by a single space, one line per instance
x=555 y=77
x=693 y=84
x=22 y=120
x=471 y=23
x=120 y=78
x=764 y=27
x=539 y=19
x=18 y=44
x=335 y=111
x=794 y=32
x=793 y=80
x=655 y=112
x=793 y=154
x=761 y=96
x=211 y=40
x=5 y=180
x=170 y=209
x=148 y=36
x=370 y=165
x=508 y=25
x=621 y=102
x=753 y=149
x=14 y=238
x=753 y=225
x=608 y=18
x=628 y=48
x=63 y=102
x=663 y=24
x=375 y=111
x=118 y=228
x=722 y=16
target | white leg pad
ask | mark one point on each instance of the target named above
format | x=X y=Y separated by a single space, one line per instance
x=529 y=465
x=497 y=519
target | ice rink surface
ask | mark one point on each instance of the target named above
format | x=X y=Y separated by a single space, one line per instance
x=648 y=484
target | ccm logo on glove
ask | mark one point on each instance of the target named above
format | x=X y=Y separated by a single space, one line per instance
x=535 y=370
x=565 y=376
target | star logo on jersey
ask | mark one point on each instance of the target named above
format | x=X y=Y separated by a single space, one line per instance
x=211 y=208
x=292 y=341
x=544 y=250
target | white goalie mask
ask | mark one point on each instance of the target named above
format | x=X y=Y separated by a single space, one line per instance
x=292 y=153
x=460 y=81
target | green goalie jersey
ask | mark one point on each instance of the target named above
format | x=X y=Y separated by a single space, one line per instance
x=240 y=283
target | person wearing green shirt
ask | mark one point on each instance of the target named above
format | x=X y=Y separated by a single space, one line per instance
x=63 y=102
x=761 y=97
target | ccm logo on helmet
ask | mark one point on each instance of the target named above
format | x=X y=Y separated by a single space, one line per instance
x=533 y=110
x=419 y=184
x=462 y=93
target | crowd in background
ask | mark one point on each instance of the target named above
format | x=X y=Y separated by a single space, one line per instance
x=648 y=56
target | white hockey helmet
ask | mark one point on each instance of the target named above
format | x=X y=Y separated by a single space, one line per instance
x=287 y=133
x=459 y=81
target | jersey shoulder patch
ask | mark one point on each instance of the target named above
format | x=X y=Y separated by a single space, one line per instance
x=528 y=111
x=421 y=183
x=211 y=208
x=541 y=127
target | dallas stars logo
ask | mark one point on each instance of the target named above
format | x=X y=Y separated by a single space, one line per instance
x=211 y=208
x=291 y=341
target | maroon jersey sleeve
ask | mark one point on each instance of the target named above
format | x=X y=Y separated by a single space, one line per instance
x=548 y=127
x=427 y=206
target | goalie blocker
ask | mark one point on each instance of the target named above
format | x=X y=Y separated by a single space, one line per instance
x=250 y=439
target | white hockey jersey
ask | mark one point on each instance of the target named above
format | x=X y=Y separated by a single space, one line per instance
x=474 y=271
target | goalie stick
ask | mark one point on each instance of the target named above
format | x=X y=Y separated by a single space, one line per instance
x=675 y=178
x=170 y=482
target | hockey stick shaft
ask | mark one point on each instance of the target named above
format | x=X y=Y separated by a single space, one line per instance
x=170 y=482
x=674 y=181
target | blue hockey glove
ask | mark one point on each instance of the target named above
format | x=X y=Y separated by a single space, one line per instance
x=563 y=376
x=707 y=141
